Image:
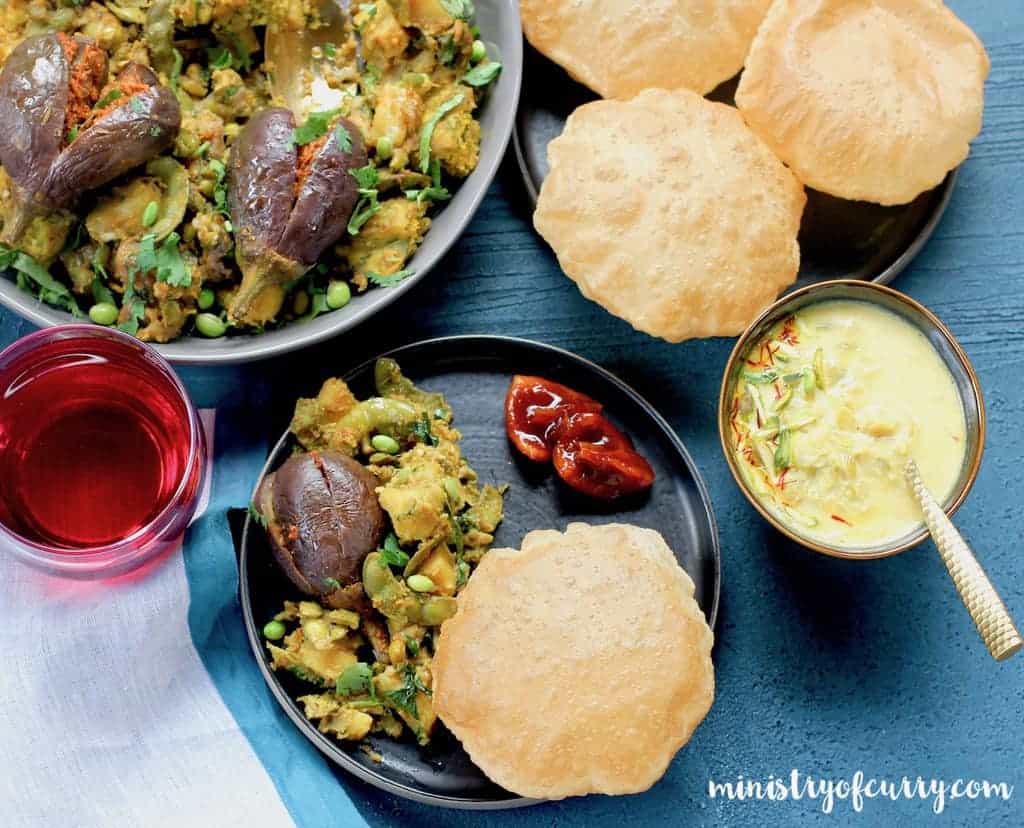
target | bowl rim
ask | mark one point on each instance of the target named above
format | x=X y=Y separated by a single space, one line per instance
x=870 y=290
x=253 y=347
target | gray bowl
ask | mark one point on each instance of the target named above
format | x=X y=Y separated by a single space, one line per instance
x=501 y=31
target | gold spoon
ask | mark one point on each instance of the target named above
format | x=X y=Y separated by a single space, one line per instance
x=987 y=610
x=297 y=58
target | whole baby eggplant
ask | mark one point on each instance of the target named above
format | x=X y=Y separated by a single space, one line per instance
x=283 y=223
x=322 y=518
x=135 y=132
x=33 y=100
x=48 y=166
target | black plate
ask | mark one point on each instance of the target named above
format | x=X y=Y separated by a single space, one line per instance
x=839 y=239
x=473 y=372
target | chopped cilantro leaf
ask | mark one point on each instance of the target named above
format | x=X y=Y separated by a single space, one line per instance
x=428 y=129
x=330 y=50
x=165 y=260
x=301 y=672
x=136 y=314
x=224 y=57
x=367 y=179
x=459 y=525
x=364 y=211
x=220 y=189
x=100 y=291
x=136 y=104
x=428 y=194
x=404 y=698
x=257 y=516
x=243 y=61
x=219 y=57
x=36 y=279
x=72 y=135
x=343 y=138
x=136 y=307
x=435 y=192
x=482 y=74
x=315 y=127
x=392 y=553
x=459 y=536
x=421 y=431
x=388 y=280
x=317 y=303
x=461 y=573
x=176 y=69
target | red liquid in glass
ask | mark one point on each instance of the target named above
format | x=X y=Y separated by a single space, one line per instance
x=94 y=443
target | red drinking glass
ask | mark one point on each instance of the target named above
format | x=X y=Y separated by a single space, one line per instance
x=102 y=453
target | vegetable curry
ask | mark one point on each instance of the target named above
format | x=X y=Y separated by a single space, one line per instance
x=139 y=201
x=368 y=653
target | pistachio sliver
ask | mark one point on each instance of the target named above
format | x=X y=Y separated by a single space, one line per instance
x=783 y=452
x=761 y=377
x=819 y=368
x=809 y=380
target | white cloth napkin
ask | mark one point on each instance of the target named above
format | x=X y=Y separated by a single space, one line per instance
x=107 y=715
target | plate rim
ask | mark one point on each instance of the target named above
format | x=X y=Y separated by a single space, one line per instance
x=321 y=741
x=251 y=347
x=899 y=264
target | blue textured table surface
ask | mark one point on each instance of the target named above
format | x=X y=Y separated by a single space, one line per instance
x=826 y=666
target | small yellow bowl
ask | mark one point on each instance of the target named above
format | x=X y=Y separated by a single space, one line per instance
x=964 y=377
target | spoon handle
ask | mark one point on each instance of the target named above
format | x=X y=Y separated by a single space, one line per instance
x=987 y=610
